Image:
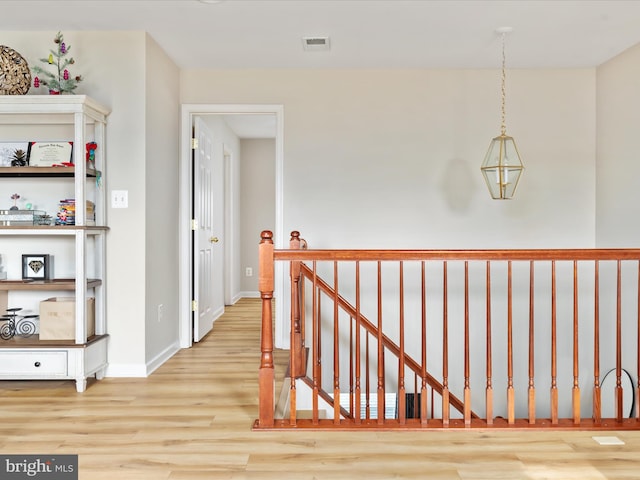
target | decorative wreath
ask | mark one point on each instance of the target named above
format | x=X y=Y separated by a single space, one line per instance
x=15 y=76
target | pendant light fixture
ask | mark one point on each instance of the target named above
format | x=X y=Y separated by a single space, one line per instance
x=502 y=167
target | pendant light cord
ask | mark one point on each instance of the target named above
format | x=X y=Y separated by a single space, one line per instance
x=503 y=128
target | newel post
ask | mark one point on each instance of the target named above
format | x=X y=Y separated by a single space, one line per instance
x=266 y=373
x=298 y=357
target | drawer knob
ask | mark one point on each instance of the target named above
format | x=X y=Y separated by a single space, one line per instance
x=37 y=364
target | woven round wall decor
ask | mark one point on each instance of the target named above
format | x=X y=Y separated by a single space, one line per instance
x=15 y=76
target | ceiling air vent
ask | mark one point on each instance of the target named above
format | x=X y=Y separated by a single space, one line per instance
x=316 y=44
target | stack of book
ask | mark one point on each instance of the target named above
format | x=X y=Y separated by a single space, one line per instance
x=67 y=212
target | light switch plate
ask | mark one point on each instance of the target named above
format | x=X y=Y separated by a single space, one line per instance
x=119 y=199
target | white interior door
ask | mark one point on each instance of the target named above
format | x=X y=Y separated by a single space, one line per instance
x=208 y=234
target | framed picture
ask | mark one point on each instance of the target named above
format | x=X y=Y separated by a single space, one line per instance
x=50 y=154
x=14 y=154
x=36 y=267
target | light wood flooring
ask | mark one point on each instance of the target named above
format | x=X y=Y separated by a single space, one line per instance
x=192 y=419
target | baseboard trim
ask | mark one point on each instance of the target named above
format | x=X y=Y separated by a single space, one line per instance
x=249 y=294
x=137 y=370
x=126 y=370
x=162 y=357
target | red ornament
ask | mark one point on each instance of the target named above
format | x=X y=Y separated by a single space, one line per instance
x=65 y=75
x=36 y=82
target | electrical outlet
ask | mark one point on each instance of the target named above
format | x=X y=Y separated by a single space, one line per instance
x=119 y=199
x=248 y=272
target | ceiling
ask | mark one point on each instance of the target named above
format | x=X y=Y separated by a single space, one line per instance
x=363 y=33
x=376 y=34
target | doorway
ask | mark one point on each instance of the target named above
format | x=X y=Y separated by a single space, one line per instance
x=231 y=114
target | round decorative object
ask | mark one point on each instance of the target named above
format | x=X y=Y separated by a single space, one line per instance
x=15 y=76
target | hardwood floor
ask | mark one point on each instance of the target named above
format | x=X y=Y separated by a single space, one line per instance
x=192 y=419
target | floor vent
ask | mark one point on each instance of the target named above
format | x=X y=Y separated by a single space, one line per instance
x=390 y=405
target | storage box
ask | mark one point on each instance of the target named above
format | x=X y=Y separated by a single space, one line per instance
x=57 y=318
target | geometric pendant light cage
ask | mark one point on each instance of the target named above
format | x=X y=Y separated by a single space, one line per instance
x=502 y=166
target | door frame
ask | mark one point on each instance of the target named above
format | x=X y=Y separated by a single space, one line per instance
x=188 y=111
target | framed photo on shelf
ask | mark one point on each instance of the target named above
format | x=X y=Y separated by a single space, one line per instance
x=14 y=154
x=36 y=267
x=50 y=154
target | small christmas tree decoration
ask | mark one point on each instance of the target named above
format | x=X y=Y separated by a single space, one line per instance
x=61 y=81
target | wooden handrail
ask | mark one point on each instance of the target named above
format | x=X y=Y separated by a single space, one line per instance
x=397 y=255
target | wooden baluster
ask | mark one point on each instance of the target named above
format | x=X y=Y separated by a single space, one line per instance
x=467 y=388
x=298 y=367
x=532 y=388
x=445 y=349
x=402 y=395
x=554 y=366
x=511 y=408
x=319 y=338
x=351 y=367
x=266 y=372
x=416 y=402
x=433 y=403
x=336 y=349
x=423 y=373
x=619 y=397
x=303 y=321
x=381 y=392
x=367 y=380
x=576 y=366
x=358 y=388
x=293 y=408
x=489 y=387
x=597 y=395
x=315 y=345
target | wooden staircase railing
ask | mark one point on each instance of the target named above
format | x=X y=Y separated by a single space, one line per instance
x=487 y=321
x=389 y=345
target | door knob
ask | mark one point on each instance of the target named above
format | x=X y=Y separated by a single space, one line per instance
x=214 y=240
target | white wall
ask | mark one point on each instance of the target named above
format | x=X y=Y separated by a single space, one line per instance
x=391 y=158
x=257 y=205
x=618 y=168
x=161 y=205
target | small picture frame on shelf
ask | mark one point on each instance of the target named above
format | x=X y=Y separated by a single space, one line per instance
x=36 y=267
x=14 y=154
x=50 y=154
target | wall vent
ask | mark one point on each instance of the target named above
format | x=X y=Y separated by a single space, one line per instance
x=316 y=44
